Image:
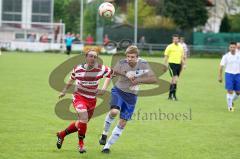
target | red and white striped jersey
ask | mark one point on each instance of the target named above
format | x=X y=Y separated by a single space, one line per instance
x=87 y=80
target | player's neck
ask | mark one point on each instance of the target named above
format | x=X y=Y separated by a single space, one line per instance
x=89 y=67
x=132 y=64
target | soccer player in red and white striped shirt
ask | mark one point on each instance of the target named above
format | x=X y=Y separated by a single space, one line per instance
x=86 y=77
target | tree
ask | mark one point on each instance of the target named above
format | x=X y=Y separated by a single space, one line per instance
x=234 y=22
x=69 y=12
x=186 y=14
x=225 y=25
x=73 y=16
x=144 y=11
x=59 y=9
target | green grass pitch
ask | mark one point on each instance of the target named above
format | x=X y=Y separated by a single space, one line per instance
x=28 y=122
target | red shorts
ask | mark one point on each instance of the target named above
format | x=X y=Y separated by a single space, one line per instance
x=84 y=103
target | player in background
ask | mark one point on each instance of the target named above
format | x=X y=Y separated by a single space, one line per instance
x=238 y=48
x=132 y=71
x=69 y=41
x=186 y=50
x=174 y=59
x=86 y=77
x=231 y=62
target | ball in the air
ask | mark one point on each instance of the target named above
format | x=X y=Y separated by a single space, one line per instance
x=106 y=9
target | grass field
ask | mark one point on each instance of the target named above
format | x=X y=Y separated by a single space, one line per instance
x=29 y=123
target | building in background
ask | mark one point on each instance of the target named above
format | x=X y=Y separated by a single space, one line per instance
x=217 y=9
x=26 y=19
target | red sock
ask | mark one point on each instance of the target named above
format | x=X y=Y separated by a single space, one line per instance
x=70 y=129
x=82 y=128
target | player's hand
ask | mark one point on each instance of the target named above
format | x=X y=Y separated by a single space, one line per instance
x=62 y=94
x=130 y=76
x=165 y=68
x=220 y=79
x=135 y=82
x=184 y=66
x=100 y=92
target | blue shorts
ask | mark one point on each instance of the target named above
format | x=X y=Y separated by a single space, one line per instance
x=232 y=82
x=125 y=102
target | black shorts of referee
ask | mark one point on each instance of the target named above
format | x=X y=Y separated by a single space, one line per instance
x=175 y=69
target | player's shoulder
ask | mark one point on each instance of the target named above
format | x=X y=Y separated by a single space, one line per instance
x=225 y=55
x=142 y=61
x=79 y=66
x=123 y=61
x=170 y=45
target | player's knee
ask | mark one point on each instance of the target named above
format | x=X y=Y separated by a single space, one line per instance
x=122 y=123
x=83 y=116
x=83 y=121
x=114 y=112
x=76 y=124
x=230 y=92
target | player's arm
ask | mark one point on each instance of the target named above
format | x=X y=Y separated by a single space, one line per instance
x=108 y=74
x=220 y=71
x=105 y=86
x=166 y=57
x=145 y=80
x=166 y=62
x=186 y=53
x=67 y=86
x=183 y=61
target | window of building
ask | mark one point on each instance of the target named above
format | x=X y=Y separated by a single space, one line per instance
x=41 y=10
x=12 y=10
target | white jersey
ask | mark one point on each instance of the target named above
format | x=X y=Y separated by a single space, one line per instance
x=238 y=51
x=185 y=48
x=231 y=63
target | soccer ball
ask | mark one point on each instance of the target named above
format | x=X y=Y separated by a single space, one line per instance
x=106 y=9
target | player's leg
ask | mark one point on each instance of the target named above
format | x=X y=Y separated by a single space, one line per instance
x=107 y=123
x=82 y=128
x=177 y=71
x=174 y=87
x=73 y=127
x=230 y=97
x=127 y=110
x=116 y=133
x=171 y=71
x=85 y=113
x=115 y=103
x=236 y=87
x=229 y=85
x=61 y=135
x=68 y=49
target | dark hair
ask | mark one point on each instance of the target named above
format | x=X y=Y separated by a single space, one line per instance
x=175 y=35
x=232 y=43
x=132 y=49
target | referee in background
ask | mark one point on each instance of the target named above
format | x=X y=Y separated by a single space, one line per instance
x=174 y=60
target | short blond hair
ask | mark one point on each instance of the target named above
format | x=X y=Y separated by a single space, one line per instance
x=88 y=49
x=132 y=49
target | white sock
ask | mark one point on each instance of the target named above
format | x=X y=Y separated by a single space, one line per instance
x=230 y=100
x=107 y=123
x=116 y=133
x=235 y=97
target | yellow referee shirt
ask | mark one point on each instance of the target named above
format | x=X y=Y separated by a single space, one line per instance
x=174 y=53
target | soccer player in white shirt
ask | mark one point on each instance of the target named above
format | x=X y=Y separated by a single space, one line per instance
x=185 y=48
x=231 y=62
x=238 y=47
